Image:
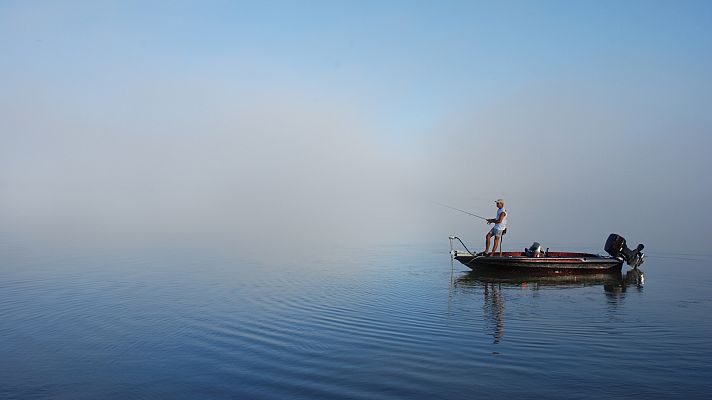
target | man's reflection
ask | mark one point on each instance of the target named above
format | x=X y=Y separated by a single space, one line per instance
x=493 y=308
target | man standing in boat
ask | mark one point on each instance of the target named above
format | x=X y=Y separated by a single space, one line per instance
x=500 y=224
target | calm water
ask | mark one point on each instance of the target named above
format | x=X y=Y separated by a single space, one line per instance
x=391 y=323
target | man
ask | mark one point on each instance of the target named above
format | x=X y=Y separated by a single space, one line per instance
x=500 y=224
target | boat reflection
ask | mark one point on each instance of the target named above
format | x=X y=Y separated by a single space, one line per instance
x=612 y=282
x=492 y=285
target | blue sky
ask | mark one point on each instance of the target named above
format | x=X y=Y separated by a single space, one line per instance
x=409 y=61
x=429 y=86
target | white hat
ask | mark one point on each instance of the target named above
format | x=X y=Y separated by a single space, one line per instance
x=499 y=201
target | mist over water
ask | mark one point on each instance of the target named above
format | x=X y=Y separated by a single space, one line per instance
x=279 y=167
x=272 y=169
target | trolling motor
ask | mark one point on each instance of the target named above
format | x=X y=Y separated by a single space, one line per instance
x=616 y=247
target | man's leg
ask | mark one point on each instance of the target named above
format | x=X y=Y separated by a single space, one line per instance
x=496 y=243
x=487 y=242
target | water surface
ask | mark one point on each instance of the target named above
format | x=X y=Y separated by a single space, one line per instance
x=390 y=322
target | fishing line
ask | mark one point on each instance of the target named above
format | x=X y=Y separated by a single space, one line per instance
x=457 y=209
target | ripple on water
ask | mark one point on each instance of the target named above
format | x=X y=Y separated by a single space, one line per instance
x=138 y=328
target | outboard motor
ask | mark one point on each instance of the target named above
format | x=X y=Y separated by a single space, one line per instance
x=534 y=250
x=616 y=247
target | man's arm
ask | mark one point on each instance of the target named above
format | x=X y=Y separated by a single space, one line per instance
x=497 y=220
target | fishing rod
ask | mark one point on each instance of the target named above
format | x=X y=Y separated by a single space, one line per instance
x=462 y=211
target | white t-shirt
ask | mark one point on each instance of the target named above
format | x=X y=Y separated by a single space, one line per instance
x=502 y=225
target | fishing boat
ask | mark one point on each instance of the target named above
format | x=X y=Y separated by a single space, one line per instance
x=534 y=260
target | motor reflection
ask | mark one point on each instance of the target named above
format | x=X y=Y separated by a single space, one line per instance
x=615 y=291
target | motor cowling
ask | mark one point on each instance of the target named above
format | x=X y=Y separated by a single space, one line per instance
x=616 y=247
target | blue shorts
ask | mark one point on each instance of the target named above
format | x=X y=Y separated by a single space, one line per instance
x=496 y=232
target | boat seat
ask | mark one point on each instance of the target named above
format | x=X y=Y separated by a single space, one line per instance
x=504 y=232
x=533 y=251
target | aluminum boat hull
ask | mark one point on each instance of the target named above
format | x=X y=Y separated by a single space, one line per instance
x=550 y=263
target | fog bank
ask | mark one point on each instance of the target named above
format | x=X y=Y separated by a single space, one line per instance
x=197 y=163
